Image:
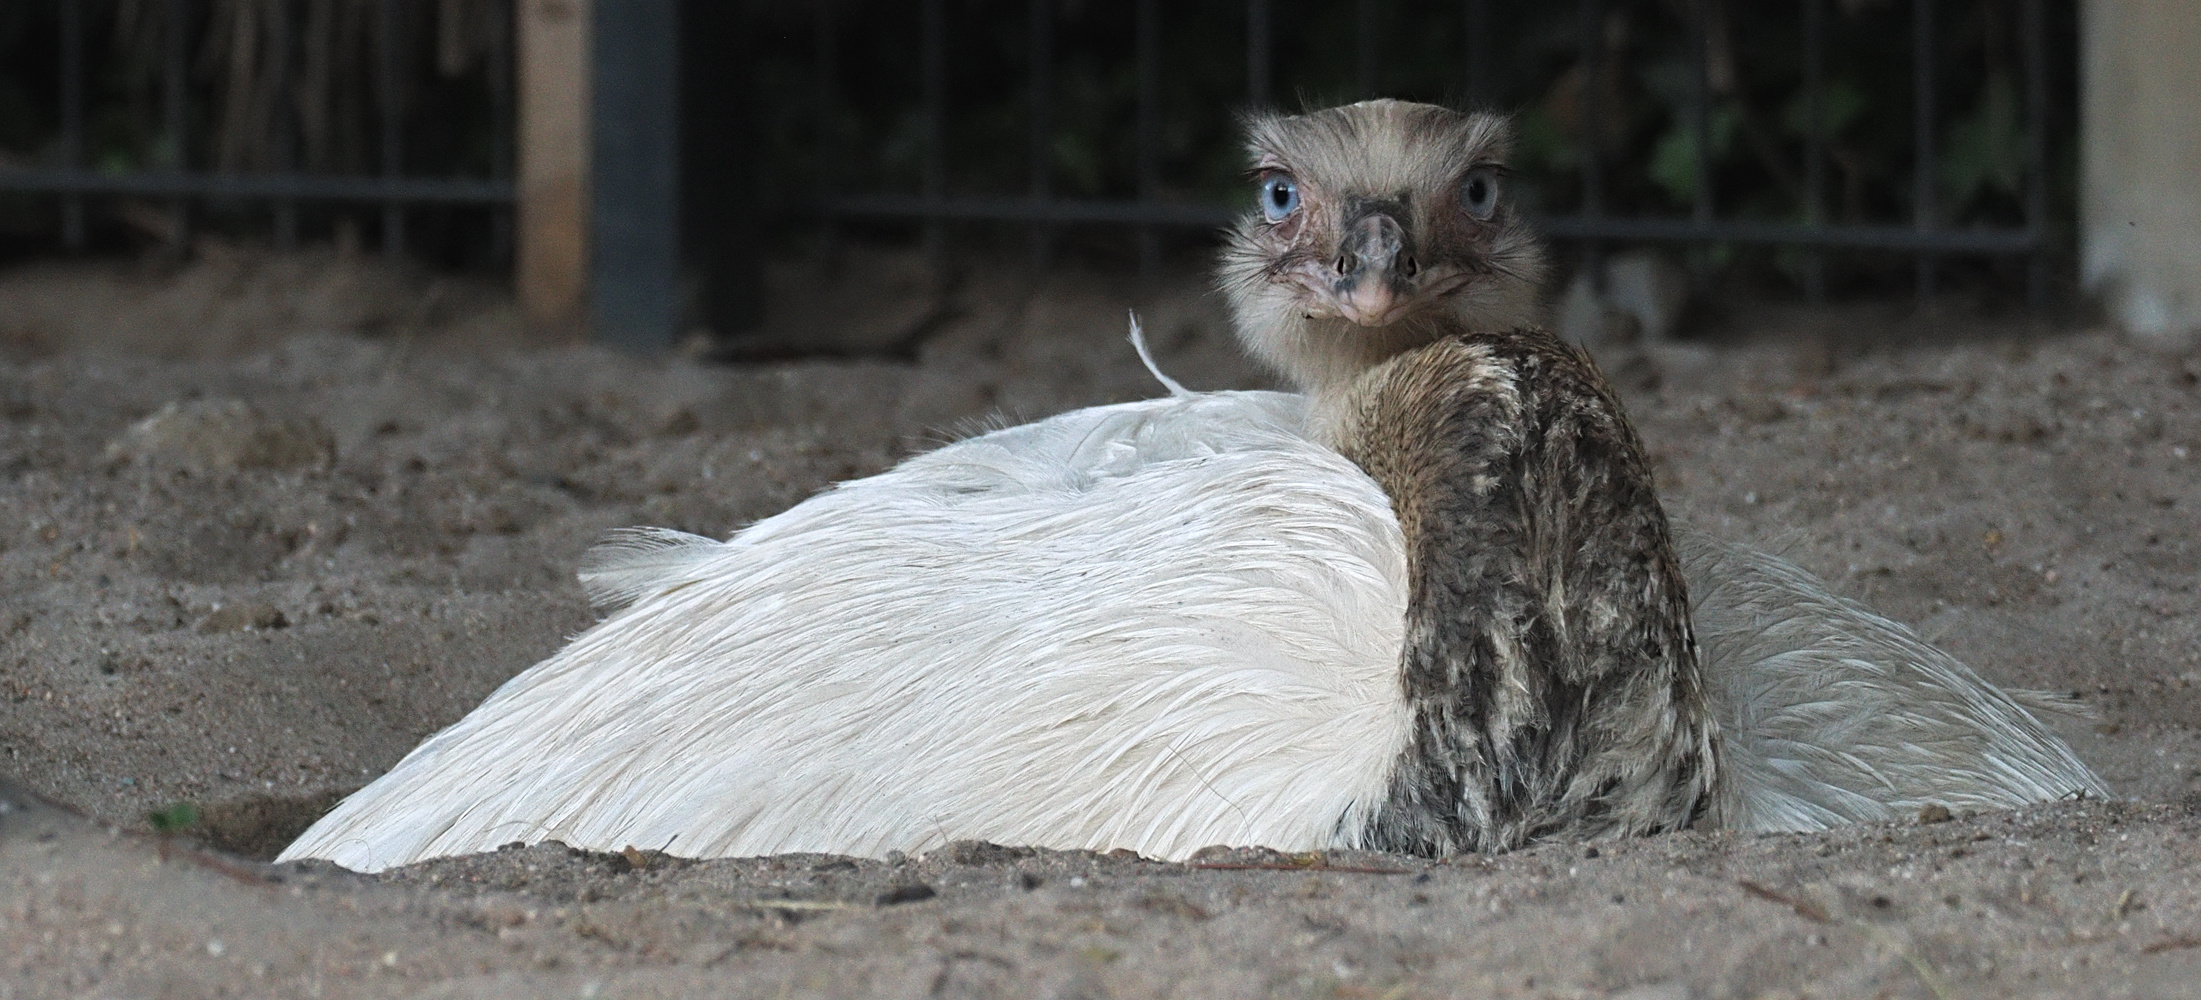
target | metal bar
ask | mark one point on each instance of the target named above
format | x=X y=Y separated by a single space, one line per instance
x=501 y=124
x=2036 y=149
x=827 y=57
x=175 y=60
x=1922 y=111
x=1700 y=131
x=1258 y=53
x=1055 y=210
x=73 y=234
x=1477 y=21
x=280 y=110
x=1815 y=153
x=934 y=42
x=302 y=187
x=1565 y=227
x=1906 y=238
x=715 y=220
x=1042 y=125
x=1148 y=28
x=1591 y=39
x=1364 y=49
x=635 y=210
x=1700 y=109
x=388 y=90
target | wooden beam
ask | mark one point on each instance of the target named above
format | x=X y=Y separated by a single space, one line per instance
x=552 y=257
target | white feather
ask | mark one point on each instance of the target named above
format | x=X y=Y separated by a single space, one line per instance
x=634 y=561
x=1146 y=357
x=1158 y=625
x=1834 y=714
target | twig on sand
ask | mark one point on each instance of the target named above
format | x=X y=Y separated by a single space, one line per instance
x=1341 y=869
x=1817 y=914
x=1804 y=908
x=798 y=904
x=2172 y=944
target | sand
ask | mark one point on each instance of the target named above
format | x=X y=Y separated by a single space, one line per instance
x=269 y=521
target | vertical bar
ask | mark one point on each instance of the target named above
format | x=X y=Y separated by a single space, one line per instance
x=175 y=60
x=1364 y=48
x=1258 y=53
x=72 y=118
x=1922 y=185
x=1700 y=109
x=1148 y=29
x=1041 y=148
x=1815 y=153
x=2036 y=153
x=934 y=40
x=827 y=58
x=388 y=96
x=1591 y=39
x=716 y=219
x=636 y=274
x=280 y=110
x=1477 y=20
x=501 y=126
x=1700 y=133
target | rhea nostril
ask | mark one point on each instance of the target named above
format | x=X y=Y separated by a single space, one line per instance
x=1409 y=267
x=1343 y=263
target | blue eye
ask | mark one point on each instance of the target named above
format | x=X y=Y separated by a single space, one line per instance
x=1479 y=192
x=1279 y=197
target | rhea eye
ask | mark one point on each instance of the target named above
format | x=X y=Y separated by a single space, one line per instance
x=1279 y=197
x=1479 y=192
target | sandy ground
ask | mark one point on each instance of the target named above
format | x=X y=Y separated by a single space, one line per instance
x=268 y=522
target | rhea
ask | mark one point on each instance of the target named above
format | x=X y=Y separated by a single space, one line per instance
x=1429 y=603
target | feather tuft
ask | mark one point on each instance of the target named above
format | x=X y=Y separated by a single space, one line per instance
x=632 y=563
x=1146 y=357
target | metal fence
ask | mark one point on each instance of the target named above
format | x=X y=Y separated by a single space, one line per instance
x=1591 y=225
x=647 y=72
x=185 y=184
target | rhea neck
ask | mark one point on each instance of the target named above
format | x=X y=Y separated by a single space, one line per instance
x=1331 y=359
x=1324 y=356
x=1549 y=664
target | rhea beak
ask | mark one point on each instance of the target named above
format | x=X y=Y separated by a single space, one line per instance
x=1374 y=273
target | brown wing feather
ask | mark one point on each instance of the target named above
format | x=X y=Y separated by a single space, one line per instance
x=1549 y=660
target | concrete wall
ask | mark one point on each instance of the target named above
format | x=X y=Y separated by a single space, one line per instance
x=2140 y=194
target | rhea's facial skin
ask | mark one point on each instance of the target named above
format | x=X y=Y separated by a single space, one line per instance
x=1380 y=227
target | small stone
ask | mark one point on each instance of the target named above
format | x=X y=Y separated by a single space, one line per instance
x=681 y=422
x=1934 y=812
x=916 y=892
x=249 y=616
x=223 y=434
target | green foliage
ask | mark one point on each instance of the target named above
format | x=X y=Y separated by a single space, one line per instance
x=1985 y=150
x=177 y=818
x=1674 y=159
x=1841 y=103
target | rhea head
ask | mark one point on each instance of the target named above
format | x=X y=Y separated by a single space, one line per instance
x=1382 y=226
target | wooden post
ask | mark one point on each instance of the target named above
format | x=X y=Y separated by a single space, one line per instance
x=552 y=258
x=2140 y=134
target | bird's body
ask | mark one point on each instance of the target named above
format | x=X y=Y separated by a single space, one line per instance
x=1196 y=644
x=1430 y=604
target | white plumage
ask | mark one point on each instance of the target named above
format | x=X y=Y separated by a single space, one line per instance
x=1157 y=626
